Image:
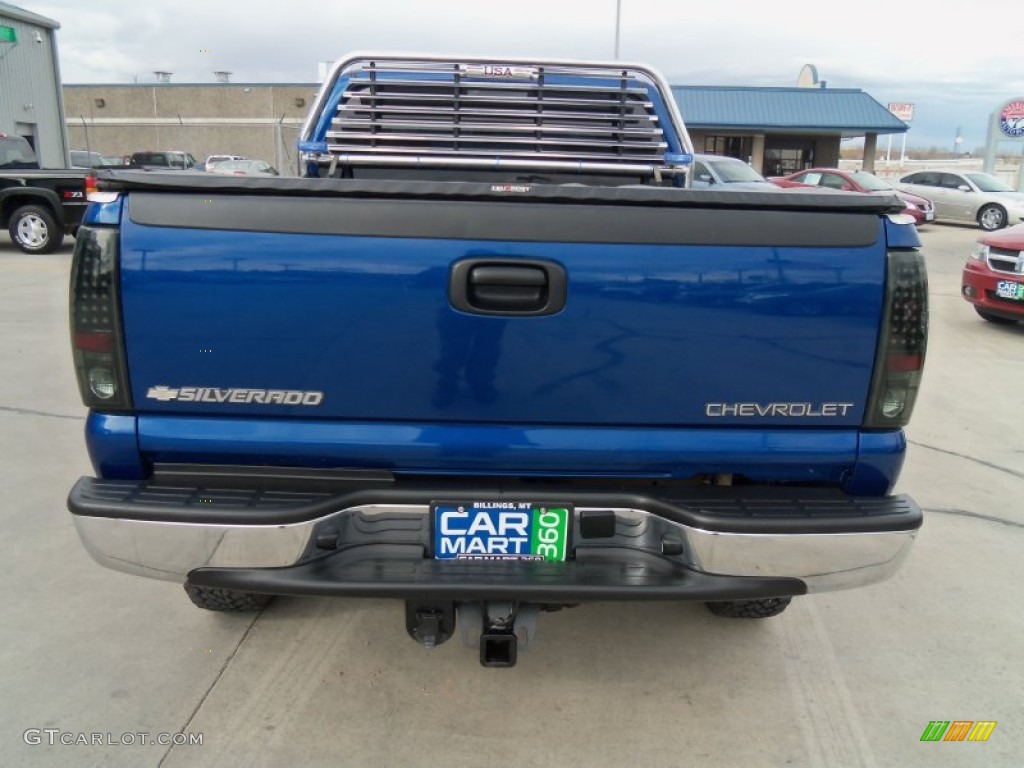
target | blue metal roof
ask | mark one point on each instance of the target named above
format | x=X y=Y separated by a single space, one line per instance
x=841 y=111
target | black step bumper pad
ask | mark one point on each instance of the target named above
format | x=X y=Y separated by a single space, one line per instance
x=389 y=571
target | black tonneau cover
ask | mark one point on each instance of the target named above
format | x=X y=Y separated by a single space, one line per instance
x=185 y=181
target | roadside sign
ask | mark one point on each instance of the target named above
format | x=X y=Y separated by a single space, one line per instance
x=8 y=35
x=1011 y=119
x=904 y=112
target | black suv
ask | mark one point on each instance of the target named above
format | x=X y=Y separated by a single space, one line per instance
x=169 y=160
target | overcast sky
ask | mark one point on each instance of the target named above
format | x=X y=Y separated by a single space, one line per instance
x=956 y=66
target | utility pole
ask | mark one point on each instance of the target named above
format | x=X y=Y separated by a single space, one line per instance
x=618 y=24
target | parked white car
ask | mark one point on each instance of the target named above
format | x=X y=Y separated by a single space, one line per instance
x=212 y=160
x=968 y=197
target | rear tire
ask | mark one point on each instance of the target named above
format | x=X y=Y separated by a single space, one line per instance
x=34 y=229
x=991 y=218
x=228 y=600
x=997 y=319
x=750 y=609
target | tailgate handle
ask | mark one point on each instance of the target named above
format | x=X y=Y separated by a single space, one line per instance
x=514 y=287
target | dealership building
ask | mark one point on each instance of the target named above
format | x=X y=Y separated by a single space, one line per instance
x=30 y=93
x=783 y=130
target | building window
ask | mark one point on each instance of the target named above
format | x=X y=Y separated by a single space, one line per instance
x=785 y=156
x=740 y=147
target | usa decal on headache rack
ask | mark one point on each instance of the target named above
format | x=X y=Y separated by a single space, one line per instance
x=498 y=70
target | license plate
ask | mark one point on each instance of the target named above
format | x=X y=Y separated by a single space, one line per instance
x=929 y=216
x=1009 y=290
x=501 y=530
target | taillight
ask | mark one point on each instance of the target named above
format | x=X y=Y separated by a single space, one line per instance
x=96 y=321
x=90 y=185
x=902 y=342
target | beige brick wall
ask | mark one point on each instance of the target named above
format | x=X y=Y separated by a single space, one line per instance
x=232 y=118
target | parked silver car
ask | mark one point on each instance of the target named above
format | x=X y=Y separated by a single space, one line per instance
x=244 y=167
x=968 y=196
x=720 y=172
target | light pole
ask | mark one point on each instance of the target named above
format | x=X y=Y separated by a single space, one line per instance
x=618 y=21
x=956 y=143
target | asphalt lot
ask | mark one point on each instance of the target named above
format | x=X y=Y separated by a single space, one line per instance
x=845 y=679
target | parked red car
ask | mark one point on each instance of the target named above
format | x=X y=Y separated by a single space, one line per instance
x=922 y=209
x=993 y=277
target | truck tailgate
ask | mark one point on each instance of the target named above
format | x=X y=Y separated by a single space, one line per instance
x=671 y=316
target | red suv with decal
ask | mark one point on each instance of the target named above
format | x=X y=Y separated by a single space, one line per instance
x=993 y=278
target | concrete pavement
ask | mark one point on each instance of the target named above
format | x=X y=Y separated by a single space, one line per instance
x=843 y=679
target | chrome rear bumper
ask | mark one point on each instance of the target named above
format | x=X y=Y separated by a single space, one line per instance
x=172 y=550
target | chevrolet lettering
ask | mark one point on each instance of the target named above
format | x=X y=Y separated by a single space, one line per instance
x=521 y=363
x=788 y=410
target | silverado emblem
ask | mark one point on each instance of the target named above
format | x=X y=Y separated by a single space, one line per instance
x=165 y=394
x=162 y=393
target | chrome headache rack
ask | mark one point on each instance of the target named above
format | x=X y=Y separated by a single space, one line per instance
x=405 y=110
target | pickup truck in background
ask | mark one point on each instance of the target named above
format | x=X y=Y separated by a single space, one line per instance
x=84 y=158
x=38 y=207
x=164 y=160
x=492 y=356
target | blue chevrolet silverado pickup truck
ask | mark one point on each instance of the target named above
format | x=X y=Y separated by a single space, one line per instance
x=491 y=355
